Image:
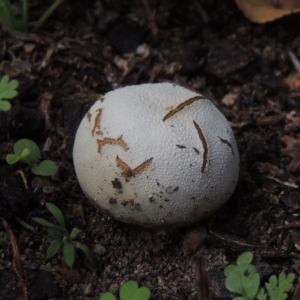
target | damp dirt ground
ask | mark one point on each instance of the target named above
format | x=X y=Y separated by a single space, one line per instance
x=88 y=48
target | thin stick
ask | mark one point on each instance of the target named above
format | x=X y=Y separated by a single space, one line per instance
x=295 y=61
x=16 y=260
x=150 y=17
x=47 y=14
x=25 y=13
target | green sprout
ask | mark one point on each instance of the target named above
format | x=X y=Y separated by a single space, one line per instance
x=7 y=91
x=28 y=152
x=129 y=291
x=60 y=238
x=8 y=15
x=243 y=279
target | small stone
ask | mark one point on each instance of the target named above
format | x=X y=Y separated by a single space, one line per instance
x=89 y=290
x=99 y=249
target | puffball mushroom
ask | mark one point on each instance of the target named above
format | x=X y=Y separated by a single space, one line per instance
x=156 y=155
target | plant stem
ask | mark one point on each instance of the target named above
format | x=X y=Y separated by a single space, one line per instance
x=46 y=15
x=25 y=13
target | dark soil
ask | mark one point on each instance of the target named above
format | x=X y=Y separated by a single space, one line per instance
x=244 y=68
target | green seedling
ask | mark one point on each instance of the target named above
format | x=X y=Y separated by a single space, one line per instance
x=7 y=91
x=129 y=291
x=60 y=238
x=243 y=279
x=28 y=152
x=9 y=15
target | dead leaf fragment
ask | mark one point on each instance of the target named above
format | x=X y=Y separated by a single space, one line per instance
x=293 y=81
x=229 y=99
x=293 y=150
x=262 y=11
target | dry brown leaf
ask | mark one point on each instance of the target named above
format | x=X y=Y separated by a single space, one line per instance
x=293 y=81
x=293 y=119
x=262 y=11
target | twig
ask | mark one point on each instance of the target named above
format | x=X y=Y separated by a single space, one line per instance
x=16 y=260
x=204 y=16
x=295 y=61
x=201 y=279
x=295 y=224
x=23 y=178
x=289 y=184
x=150 y=17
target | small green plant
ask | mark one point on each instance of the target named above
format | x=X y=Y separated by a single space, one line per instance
x=243 y=279
x=28 y=152
x=59 y=237
x=9 y=15
x=129 y=291
x=7 y=91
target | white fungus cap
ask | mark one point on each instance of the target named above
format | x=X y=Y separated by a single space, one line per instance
x=156 y=155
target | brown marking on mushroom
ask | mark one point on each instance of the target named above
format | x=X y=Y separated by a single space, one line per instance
x=124 y=202
x=101 y=98
x=116 y=183
x=89 y=116
x=227 y=143
x=97 y=123
x=204 y=143
x=196 y=150
x=181 y=146
x=181 y=106
x=112 y=200
x=119 y=141
x=128 y=171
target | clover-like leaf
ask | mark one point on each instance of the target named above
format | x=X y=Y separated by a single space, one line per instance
x=45 y=168
x=239 y=276
x=251 y=285
x=32 y=148
x=131 y=291
x=278 y=288
x=69 y=253
x=229 y=269
x=8 y=88
x=107 y=296
x=261 y=295
x=245 y=258
x=128 y=290
x=142 y=293
x=12 y=158
x=4 y=105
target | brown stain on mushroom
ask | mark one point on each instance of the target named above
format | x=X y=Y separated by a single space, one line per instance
x=128 y=171
x=97 y=125
x=181 y=106
x=119 y=141
x=89 y=116
x=227 y=143
x=181 y=146
x=116 y=183
x=204 y=143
